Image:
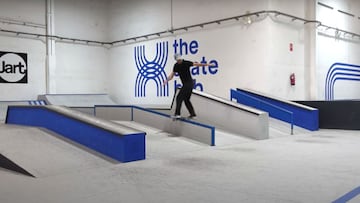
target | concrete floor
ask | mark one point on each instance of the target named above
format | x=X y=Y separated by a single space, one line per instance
x=306 y=167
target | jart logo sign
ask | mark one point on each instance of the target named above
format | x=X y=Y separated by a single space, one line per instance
x=154 y=70
x=13 y=67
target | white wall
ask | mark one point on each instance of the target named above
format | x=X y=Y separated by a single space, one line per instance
x=23 y=10
x=81 y=68
x=82 y=19
x=36 y=69
x=140 y=17
x=252 y=56
x=187 y=13
x=331 y=49
x=123 y=73
x=33 y=12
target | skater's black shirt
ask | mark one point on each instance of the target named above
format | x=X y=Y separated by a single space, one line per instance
x=183 y=69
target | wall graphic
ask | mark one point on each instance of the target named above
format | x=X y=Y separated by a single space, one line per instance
x=13 y=67
x=340 y=71
x=154 y=70
x=151 y=70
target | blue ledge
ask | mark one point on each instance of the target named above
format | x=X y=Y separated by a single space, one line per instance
x=115 y=141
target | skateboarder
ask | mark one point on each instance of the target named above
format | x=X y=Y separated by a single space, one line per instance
x=182 y=67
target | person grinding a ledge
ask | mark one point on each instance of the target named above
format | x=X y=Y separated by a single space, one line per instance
x=182 y=67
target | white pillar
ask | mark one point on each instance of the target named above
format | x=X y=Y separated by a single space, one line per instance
x=310 y=51
x=50 y=49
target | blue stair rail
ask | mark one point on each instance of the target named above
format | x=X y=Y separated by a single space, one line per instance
x=303 y=116
x=273 y=110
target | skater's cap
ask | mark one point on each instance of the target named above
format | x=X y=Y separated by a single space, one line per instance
x=177 y=57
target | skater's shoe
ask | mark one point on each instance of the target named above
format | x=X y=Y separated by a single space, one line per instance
x=192 y=117
x=176 y=116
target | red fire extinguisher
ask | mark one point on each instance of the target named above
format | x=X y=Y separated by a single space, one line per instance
x=292 y=79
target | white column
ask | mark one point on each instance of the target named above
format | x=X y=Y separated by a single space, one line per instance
x=310 y=51
x=50 y=49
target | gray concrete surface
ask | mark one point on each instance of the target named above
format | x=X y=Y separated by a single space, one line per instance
x=43 y=154
x=225 y=114
x=77 y=100
x=81 y=102
x=306 y=167
x=191 y=129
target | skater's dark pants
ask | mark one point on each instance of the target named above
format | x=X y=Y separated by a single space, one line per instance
x=184 y=95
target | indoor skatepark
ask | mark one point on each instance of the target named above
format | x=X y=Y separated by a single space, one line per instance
x=176 y=161
x=90 y=120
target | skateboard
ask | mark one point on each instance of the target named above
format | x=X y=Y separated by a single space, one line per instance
x=174 y=118
x=180 y=118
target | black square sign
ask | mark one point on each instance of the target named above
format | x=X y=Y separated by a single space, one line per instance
x=13 y=67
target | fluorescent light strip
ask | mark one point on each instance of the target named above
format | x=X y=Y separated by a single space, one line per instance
x=346 y=13
x=324 y=5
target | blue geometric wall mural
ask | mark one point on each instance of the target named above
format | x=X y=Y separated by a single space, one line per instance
x=340 y=71
x=151 y=70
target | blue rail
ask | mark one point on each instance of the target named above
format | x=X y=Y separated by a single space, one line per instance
x=273 y=110
x=168 y=117
x=303 y=116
